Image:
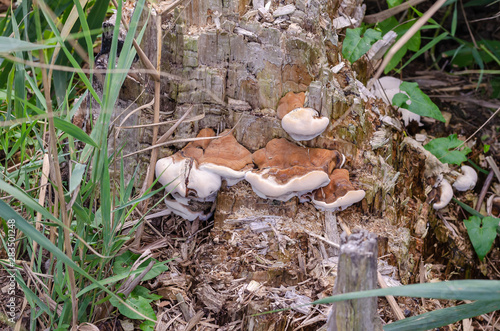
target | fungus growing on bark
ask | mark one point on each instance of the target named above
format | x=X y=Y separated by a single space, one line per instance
x=338 y=194
x=443 y=195
x=286 y=170
x=467 y=180
x=184 y=179
x=304 y=124
x=227 y=158
x=290 y=102
x=386 y=88
x=299 y=122
x=194 y=174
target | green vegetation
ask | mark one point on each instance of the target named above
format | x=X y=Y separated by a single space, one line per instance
x=84 y=210
x=482 y=230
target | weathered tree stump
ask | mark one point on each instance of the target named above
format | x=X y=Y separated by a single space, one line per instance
x=357 y=272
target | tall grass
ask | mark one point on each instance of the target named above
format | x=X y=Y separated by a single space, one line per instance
x=71 y=234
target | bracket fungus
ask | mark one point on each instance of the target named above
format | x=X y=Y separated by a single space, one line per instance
x=290 y=102
x=225 y=157
x=338 y=194
x=193 y=175
x=467 y=180
x=299 y=122
x=304 y=124
x=286 y=170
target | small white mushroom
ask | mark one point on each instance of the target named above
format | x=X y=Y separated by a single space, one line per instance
x=445 y=193
x=304 y=124
x=467 y=180
x=183 y=211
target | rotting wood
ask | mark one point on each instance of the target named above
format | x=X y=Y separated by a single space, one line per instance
x=357 y=272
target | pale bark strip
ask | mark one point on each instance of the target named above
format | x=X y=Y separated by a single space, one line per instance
x=357 y=271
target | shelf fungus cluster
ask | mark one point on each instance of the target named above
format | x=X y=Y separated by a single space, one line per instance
x=279 y=171
x=442 y=193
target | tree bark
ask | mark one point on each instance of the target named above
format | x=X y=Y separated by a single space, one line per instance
x=233 y=66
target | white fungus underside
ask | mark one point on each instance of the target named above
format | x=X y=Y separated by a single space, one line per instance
x=268 y=187
x=341 y=203
x=304 y=124
x=231 y=176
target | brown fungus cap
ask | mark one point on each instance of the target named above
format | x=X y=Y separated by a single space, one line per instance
x=195 y=149
x=227 y=152
x=290 y=102
x=338 y=194
x=286 y=170
x=281 y=154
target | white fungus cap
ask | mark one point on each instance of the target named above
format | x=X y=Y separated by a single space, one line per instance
x=266 y=186
x=341 y=203
x=304 y=124
x=231 y=176
x=386 y=88
x=181 y=210
x=201 y=185
x=467 y=180
x=446 y=195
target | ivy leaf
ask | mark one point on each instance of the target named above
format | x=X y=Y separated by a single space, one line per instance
x=482 y=233
x=421 y=104
x=442 y=148
x=355 y=46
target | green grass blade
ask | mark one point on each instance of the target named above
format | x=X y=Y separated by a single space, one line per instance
x=442 y=317
x=10 y=45
x=452 y=290
x=116 y=278
x=469 y=209
x=64 y=126
x=72 y=60
x=424 y=49
x=23 y=226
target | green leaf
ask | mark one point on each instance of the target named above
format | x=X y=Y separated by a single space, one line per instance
x=482 y=233
x=442 y=148
x=142 y=304
x=76 y=176
x=421 y=104
x=141 y=291
x=394 y=3
x=9 y=45
x=424 y=49
x=446 y=316
x=124 y=262
x=355 y=46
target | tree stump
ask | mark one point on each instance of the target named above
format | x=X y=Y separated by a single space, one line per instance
x=357 y=271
